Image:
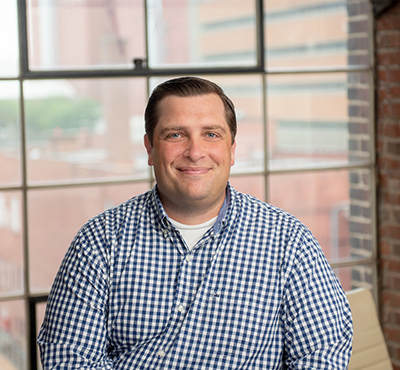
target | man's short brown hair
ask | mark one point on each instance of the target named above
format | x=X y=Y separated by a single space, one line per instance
x=186 y=87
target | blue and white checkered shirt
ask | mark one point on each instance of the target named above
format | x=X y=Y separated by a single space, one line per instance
x=256 y=292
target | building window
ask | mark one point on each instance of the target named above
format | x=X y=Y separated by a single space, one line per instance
x=74 y=80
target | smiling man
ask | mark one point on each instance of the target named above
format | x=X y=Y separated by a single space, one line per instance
x=194 y=274
x=192 y=151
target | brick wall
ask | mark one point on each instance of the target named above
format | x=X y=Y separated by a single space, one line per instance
x=387 y=44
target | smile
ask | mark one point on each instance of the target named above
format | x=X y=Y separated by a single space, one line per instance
x=194 y=171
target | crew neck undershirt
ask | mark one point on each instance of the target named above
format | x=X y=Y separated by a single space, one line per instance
x=193 y=233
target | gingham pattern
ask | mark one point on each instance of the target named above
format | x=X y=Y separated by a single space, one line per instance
x=256 y=292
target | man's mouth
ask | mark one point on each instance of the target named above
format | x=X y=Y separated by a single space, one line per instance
x=194 y=171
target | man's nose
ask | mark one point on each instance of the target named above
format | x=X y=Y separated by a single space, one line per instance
x=195 y=149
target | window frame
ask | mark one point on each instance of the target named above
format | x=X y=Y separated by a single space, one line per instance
x=32 y=299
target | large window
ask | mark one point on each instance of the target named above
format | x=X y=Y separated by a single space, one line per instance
x=74 y=80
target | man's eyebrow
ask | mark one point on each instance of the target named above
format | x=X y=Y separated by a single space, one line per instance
x=180 y=128
x=171 y=128
x=214 y=127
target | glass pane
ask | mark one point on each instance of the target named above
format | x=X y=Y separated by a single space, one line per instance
x=334 y=205
x=56 y=215
x=253 y=185
x=85 y=129
x=246 y=94
x=317 y=33
x=9 y=64
x=201 y=33
x=11 y=245
x=318 y=119
x=359 y=276
x=85 y=34
x=10 y=147
x=12 y=336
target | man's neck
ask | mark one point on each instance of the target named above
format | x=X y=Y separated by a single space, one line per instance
x=191 y=214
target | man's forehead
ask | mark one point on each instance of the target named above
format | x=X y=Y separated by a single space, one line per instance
x=168 y=98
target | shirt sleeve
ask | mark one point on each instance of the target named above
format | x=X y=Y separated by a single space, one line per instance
x=74 y=333
x=317 y=316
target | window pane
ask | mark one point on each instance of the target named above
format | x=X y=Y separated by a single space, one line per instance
x=253 y=185
x=9 y=64
x=10 y=147
x=12 y=335
x=85 y=129
x=56 y=215
x=246 y=94
x=353 y=277
x=318 y=119
x=85 y=34
x=202 y=33
x=334 y=205
x=315 y=34
x=11 y=254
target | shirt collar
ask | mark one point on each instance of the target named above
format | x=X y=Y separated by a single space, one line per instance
x=163 y=219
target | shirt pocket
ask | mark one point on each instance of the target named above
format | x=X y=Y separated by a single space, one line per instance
x=232 y=323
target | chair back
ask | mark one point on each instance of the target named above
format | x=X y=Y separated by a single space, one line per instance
x=369 y=346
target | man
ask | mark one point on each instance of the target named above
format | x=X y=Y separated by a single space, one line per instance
x=193 y=274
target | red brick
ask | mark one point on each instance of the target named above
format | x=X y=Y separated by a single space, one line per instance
x=390 y=181
x=394 y=283
x=389 y=39
x=391 y=299
x=382 y=74
x=392 y=130
x=390 y=108
x=391 y=232
x=389 y=20
x=388 y=163
x=393 y=148
x=388 y=264
x=380 y=144
x=384 y=248
x=388 y=57
x=394 y=353
x=394 y=91
x=394 y=74
x=391 y=198
x=392 y=334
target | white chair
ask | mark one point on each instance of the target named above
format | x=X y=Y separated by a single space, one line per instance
x=369 y=346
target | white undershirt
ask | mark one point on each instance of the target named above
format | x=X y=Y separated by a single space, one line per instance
x=193 y=233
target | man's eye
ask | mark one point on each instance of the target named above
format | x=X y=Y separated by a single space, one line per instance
x=174 y=136
x=211 y=134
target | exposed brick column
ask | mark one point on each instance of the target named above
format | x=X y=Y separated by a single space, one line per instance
x=387 y=38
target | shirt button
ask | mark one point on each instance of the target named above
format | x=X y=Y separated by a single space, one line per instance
x=161 y=353
x=181 y=308
x=188 y=257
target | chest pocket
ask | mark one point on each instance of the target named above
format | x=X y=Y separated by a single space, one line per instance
x=232 y=323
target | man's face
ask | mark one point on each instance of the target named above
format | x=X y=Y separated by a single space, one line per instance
x=192 y=152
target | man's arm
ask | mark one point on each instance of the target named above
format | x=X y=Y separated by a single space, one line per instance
x=318 y=323
x=74 y=332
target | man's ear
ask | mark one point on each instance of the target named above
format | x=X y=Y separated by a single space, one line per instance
x=149 y=149
x=233 y=150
